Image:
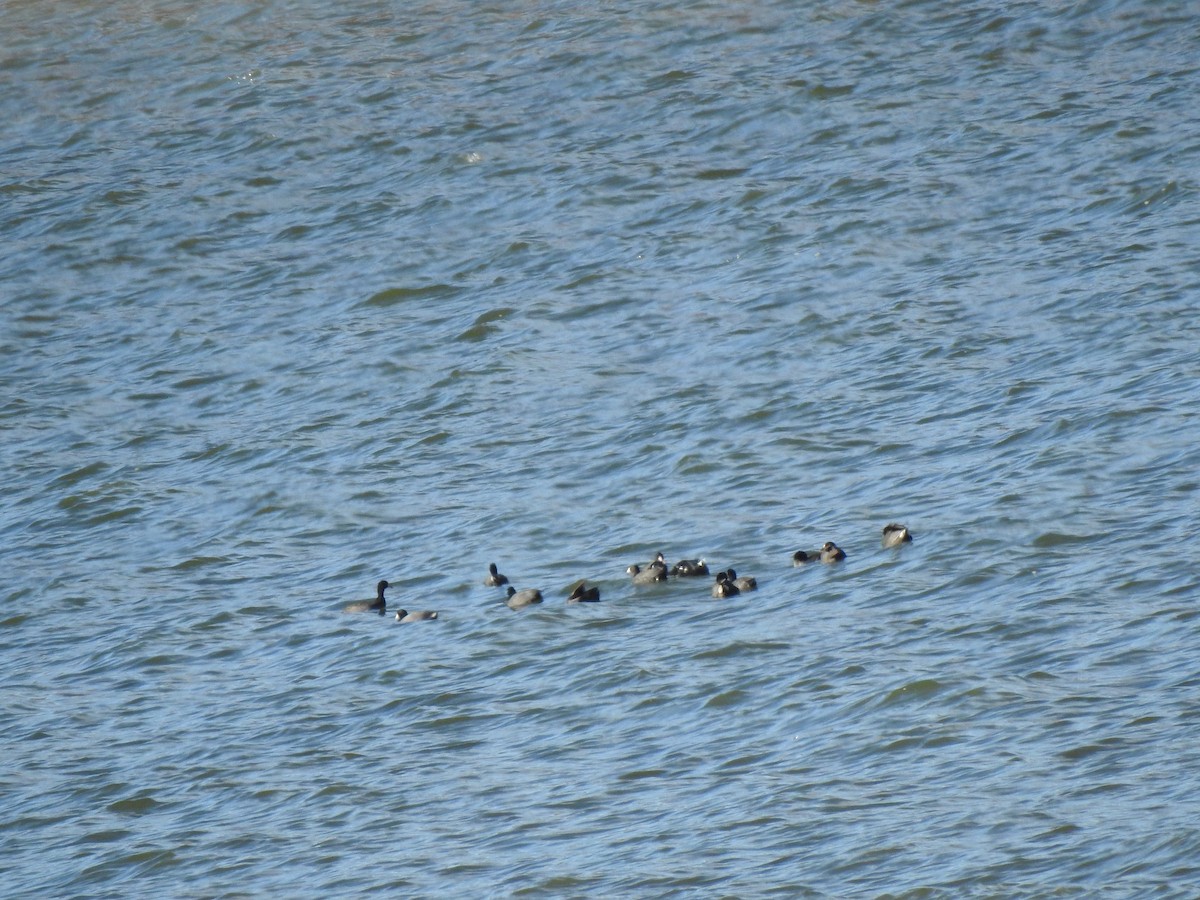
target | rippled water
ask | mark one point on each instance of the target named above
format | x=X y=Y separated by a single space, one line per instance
x=301 y=296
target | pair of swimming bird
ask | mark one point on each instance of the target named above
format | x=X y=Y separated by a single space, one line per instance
x=379 y=605
x=727 y=584
x=893 y=536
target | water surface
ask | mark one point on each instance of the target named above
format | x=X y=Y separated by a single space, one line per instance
x=298 y=297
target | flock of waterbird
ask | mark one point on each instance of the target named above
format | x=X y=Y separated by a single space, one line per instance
x=727 y=584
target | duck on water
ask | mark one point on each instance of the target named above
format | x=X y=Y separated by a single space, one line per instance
x=522 y=599
x=377 y=605
x=654 y=571
x=724 y=588
x=584 y=594
x=421 y=615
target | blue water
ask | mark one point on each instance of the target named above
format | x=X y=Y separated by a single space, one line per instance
x=297 y=297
